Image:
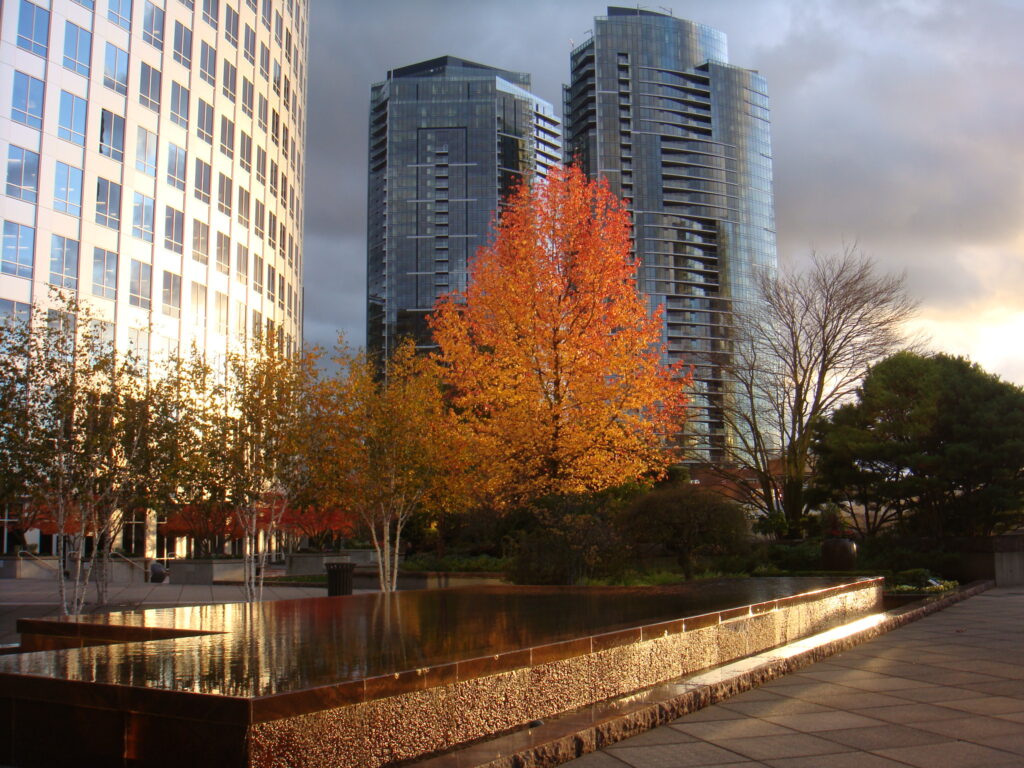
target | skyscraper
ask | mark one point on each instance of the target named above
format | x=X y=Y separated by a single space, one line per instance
x=154 y=158
x=655 y=107
x=448 y=139
x=154 y=165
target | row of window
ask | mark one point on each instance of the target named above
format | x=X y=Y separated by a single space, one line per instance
x=19 y=247
x=27 y=108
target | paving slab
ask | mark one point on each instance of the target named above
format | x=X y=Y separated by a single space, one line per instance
x=945 y=691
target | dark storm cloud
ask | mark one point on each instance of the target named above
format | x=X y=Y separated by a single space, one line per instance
x=896 y=124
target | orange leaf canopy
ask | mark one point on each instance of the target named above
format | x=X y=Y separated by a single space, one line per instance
x=551 y=352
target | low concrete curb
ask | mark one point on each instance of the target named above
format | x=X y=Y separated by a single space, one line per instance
x=577 y=733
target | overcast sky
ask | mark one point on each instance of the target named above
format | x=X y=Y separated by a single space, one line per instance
x=896 y=124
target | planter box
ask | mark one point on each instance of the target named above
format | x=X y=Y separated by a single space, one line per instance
x=205 y=571
x=312 y=563
x=995 y=558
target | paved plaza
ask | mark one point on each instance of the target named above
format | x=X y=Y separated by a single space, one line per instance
x=944 y=692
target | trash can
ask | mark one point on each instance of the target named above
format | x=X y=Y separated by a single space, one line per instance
x=339 y=578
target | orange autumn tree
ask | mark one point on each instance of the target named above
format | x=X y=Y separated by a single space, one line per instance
x=551 y=353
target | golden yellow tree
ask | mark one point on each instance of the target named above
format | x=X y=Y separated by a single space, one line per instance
x=551 y=354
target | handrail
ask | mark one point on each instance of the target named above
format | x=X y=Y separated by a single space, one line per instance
x=129 y=561
x=26 y=553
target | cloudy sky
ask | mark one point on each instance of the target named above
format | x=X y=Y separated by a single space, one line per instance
x=897 y=125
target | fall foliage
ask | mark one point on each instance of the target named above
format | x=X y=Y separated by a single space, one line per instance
x=551 y=354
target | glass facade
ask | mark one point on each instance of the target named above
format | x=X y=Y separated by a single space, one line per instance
x=448 y=139
x=113 y=144
x=654 y=107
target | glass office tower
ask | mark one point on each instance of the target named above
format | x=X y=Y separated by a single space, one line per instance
x=655 y=108
x=154 y=159
x=448 y=139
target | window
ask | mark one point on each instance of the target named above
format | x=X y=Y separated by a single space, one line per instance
x=153 y=25
x=199 y=305
x=261 y=165
x=275 y=126
x=284 y=189
x=77 y=48
x=223 y=253
x=257 y=277
x=64 y=262
x=138 y=346
x=277 y=77
x=71 y=122
x=278 y=28
x=108 y=203
x=245 y=151
x=227 y=137
x=261 y=114
x=19 y=248
x=249 y=44
x=224 y=194
x=264 y=61
x=142 y=217
x=33 y=28
x=240 y=313
x=115 y=69
x=258 y=215
x=282 y=239
x=140 y=285
x=243 y=207
x=175 y=166
x=112 y=135
x=120 y=12
x=271 y=283
x=149 y=87
x=230 y=79
x=22 y=173
x=242 y=263
x=280 y=291
x=104 y=274
x=14 y=311
x=182 y=44
x=287 y=94
x=221 y=307
x=67 y=191
x=200 y=241
x=273 y=178
x=179 y=104
x=211 y=12
x=204 y=122
x=272 y=231
x=231 y=25
x=268 y=7
x=202 y=180
x=145 y=152
x=288 y=45
x=27 y=100
x=174 y=230
x=172 y=294
x=207 y=63
x=248 y=96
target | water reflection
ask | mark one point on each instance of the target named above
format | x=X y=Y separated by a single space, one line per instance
x=289 y=645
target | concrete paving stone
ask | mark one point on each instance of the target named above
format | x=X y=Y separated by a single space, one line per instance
x=823 y=721
x=976 y=729
x=775 y=693
x=988 y=705
x=840 y=760
x=766 y=708
x=598 y=760
x=936 y=694
x=653 y=737
x=885 y=683
x=690 y=755
x=855 y=700
x=1011 y=742
x=731 y=729
x=882 y=736
x=914 y=713
x=710 y=714
x=784 y=745
x=952 y=754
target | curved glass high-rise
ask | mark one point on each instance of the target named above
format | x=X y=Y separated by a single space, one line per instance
x=655 y=107
x=154 y=163
x=448 y=139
